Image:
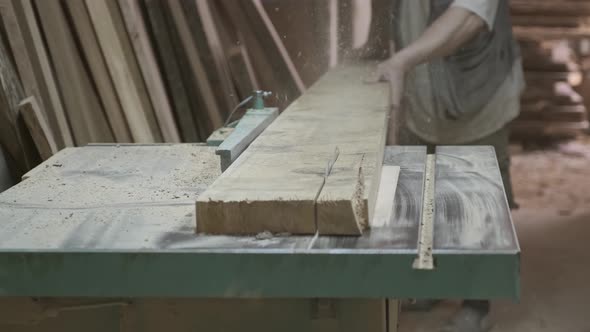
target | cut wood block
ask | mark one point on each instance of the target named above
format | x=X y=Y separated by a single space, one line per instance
x=171 y=63
x=292 y=169
x=38 y=128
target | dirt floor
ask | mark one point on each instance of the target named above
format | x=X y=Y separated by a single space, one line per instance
x=553 y=225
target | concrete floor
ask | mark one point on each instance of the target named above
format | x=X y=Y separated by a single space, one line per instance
x=553 y=226
x=555 y=279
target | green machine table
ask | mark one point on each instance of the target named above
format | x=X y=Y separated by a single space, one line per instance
x=103 y=238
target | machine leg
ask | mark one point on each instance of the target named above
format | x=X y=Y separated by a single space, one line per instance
x=393 y=311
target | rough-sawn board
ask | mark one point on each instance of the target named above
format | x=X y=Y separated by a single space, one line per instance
x=315 y=168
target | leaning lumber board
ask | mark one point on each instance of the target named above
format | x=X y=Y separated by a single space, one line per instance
x=322 y=141
x=170 y=64
x=112 y=36
x=98 y=68
x=196 y=65
x=38 y=127
x=83 y=108
x=24 y=13
x=149 y=68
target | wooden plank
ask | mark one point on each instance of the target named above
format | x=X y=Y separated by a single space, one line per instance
x=217 y=53
x=238 y=59
x=269 y=58
x=20 y=53
x=39 y=64
x=149 y=68
x=118 y=53
x=274 y=184
x=169 y=61
x=385 y=197
x=100 y=73
x=38 y=127
x=21 y=152
x=196 y=65
x=83 y=108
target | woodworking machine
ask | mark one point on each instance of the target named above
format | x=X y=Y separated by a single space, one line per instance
x=102 y=237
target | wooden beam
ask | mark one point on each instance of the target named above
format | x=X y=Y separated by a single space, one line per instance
x=41 y=67
x=305 y=166
x=169 y=60
x=38 y=127
x=98 y=68
x=196 y=65
x=215 y=47
x=112 y=36
x=149 y=67
x=274 y=68
x=83 y=108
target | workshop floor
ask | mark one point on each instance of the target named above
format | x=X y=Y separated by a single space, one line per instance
x=553 y=225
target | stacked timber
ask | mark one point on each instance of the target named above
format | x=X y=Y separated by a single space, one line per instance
x=551 y=105
x=75 y=72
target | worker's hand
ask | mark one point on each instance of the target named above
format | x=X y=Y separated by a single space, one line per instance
x=393 y=71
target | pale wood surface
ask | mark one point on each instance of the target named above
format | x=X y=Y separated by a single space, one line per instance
x=99 y=70
x=85 y=113
x=23 y=10
x=274 y=184
x=38 y=127
x=116 y=48
x=149 y=68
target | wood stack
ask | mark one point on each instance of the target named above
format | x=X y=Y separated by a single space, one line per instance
x=144 y=71
x=552 y=106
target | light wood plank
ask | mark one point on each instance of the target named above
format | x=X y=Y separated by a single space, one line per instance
x=217 y=54
x=35 y=48
x=38 y=127
x=274 y=184
x=99 y=70
x=149 y=68
x=118 y=53
x=85 y=113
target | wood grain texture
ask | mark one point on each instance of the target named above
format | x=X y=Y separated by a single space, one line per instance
x=20 y=150
x=83 y=108
x=98 y=68
x=196 y=65
x=267 y=56
x=162 y=31
x=41 y=68
x=149 y=68
x=126 y=76
x=38 y=127
x=210 y=28
x=274 y=184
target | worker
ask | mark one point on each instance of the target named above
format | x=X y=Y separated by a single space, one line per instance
x=456 y=73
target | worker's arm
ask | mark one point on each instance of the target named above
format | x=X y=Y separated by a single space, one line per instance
x=455 y=27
